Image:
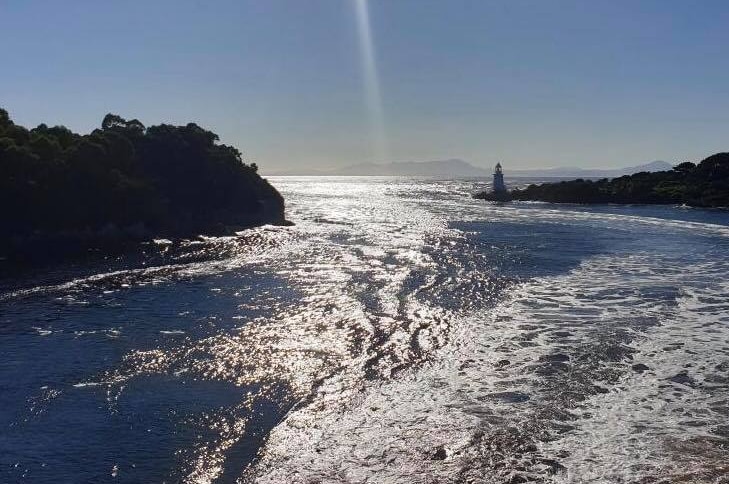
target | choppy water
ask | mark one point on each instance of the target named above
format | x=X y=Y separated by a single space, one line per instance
x=399 y=332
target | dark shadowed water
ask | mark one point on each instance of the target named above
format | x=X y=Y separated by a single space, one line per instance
x=399 y=332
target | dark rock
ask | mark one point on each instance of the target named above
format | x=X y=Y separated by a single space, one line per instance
x=493 y=196
x=640 y=368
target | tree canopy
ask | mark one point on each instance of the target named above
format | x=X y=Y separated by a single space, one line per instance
x=702 y=185
x=166 y=179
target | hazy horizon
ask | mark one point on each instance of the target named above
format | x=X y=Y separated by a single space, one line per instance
x=328 y=83
x=507 y=167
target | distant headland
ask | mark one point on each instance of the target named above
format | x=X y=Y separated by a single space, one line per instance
x=705 y=184
x=124 y=181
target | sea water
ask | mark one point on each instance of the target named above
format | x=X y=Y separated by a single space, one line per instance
x=400 y=331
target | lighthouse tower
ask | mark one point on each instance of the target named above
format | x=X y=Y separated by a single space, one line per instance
x=499 y=186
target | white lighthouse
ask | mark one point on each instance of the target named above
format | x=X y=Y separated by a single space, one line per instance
x=499 y=186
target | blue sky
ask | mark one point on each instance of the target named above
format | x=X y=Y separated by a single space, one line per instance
x=531 y=83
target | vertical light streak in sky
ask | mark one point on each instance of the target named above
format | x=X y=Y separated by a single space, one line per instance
x=373 y=96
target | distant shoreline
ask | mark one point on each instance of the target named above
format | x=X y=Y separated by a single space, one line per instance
x=704 y=185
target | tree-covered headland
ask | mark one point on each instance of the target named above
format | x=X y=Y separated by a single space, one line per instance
x=125 y=180
x=705 y=184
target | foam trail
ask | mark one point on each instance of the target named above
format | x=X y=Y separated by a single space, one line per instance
x=371 y=81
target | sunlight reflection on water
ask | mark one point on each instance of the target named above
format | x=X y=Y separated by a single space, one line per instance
x=400 y=332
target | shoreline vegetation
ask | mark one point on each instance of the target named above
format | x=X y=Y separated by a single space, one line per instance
x=123 y=183
x=705 y=184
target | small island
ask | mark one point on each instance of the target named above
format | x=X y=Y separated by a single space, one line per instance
x=705 y=184
x=123 y=182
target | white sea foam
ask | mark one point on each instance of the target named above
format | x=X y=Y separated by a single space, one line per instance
x=402 y=344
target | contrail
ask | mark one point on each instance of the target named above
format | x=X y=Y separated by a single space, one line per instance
x=373 y=95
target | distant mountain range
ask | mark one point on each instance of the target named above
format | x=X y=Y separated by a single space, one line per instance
x=450 y=168
x=455 y=167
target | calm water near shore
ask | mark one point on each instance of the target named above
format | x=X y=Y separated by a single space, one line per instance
x=399 y=332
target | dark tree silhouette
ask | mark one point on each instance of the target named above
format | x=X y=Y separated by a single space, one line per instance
x=125 y=178
x=702 y=185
